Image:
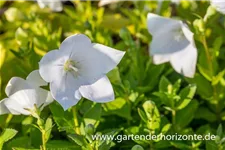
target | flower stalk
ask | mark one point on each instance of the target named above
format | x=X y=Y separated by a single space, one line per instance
x=75 y=119
x=41 y=125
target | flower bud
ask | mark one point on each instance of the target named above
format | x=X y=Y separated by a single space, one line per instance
x=89 y=129
x=40 y=122
x=199 y=25
x=137 y=147
x=211 y=11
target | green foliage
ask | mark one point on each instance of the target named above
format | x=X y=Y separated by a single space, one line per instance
x=150 y=99
x=6 y=135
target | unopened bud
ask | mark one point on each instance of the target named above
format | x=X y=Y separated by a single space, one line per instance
x=199 y=25
x=89 y=129
x=137 y=147
x=211 y=11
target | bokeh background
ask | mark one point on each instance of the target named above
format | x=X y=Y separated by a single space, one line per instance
x=150 y=99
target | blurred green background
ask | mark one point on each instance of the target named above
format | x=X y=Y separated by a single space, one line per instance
x=150 y=99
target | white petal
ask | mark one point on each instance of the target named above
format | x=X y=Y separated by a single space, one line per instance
x=101 y=91
x=99 y=61
x=26 y=99
x=56 y=5
x=176 y=1
x=110 y=56
x=106 y=2
x=93 y=60
x=219 y=5
x=41 y=3
x=165 y=32
x=3 y=108
x=188 y=34
x=35 y=79
x=63 y=90
x=160 y=59
x=184 y=62
x=44 y=97
x=15 y=84
x=75 y=44
x=49 y=99
x=20 y=100
x=51 y=65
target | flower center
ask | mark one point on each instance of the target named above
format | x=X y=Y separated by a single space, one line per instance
x=179 y=35
x=70 y=66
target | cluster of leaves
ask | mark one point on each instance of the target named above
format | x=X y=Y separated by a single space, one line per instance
x=150 y=99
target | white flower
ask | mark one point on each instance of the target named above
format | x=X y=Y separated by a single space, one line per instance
x=79 y=69
x=54 y=5
x=106 y=2
x=23 y=94
x=219 y=5
x=172 y=42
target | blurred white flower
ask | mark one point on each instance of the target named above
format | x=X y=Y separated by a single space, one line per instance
x=172 y=42
x=219 y=5
x=79 y=69
x=106 y=2
x=23 y=95
x=54 y=5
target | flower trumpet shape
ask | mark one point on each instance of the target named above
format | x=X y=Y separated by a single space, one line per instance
x=54 y=5
x=172 y=42
x=79 y=69
x=219 y=5
x=24 y=95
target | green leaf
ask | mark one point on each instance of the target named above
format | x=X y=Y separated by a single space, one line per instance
x=110 y=133
x=48 y=128
x=142 y=115
x=219 y=131
x=136 y=130
x=78 y=139
x=162 y=145
x=126 y=36
x=21 y=36
x=186 y=115
x=152 y=114
x=186 y=96
x=6 y=135
x=114 y=76
x=62 y=118
x=204 y=88
x=19 y=142
x=176 y=86
x=93 y=115
x=218 y=78
x=164 y=84
x=166 y=128
x=206 y=114
x=118 y=107
x=19 y=148
x=60 y=144
x=211 y=145
x=104 y=146
x=180 y=145
x=217 y=44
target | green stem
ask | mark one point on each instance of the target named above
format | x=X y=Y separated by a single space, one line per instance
x=210 y=60
x=207 y=52
x=8 y=119
x=76 y=123
x=43 y=140
x=42 y=129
